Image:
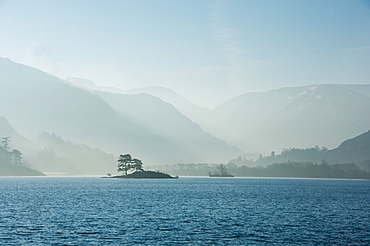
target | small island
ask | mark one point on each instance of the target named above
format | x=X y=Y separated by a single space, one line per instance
x=133 y=169
x=222 y=172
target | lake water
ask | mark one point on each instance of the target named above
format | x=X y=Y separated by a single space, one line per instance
x=184 y=211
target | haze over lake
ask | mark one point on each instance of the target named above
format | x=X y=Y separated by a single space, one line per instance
x=262 y=92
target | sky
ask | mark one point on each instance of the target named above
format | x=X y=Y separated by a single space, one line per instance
x=206 y=50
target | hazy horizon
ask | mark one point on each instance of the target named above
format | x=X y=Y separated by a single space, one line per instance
x=208 y=51
x=306 y=61
x=167 y=122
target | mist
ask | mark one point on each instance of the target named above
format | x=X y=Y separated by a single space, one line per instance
x=74 y=127
x=214 y=122
x=181 y=83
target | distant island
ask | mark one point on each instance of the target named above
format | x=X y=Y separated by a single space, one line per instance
x=222 y=172
x=127 y=164
x=146 y=175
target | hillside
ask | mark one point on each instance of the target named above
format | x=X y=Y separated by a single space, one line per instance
x=56 y=155
x=10 y=165
x=192 y=111
x=16 y=140
x=164 y=119
x=50 y=153
x=294 y=117
x=197 y=114
x=356 y=150
x=35 y=101
x=12 y=170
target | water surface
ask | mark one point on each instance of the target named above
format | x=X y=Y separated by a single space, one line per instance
x=188 y=211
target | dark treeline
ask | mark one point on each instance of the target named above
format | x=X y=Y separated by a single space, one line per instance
x=308 y=170
x=286 y=169
x=315 y=154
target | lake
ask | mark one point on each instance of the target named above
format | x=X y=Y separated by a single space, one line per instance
x=184 y=211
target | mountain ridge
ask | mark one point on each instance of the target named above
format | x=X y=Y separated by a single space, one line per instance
x=36 y=102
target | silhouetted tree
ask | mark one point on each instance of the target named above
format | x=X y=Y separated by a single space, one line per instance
x=273 y=154
x=124 y=163
x=17 y=155
x=222 y=168
x=5 y=143
x=7 y=156
x=137 y=165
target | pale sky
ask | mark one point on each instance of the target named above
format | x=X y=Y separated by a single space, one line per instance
x=206 y=50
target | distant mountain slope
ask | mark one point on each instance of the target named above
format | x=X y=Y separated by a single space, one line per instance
x=360 y=88
x=51 y=154
x=17 y=141
x=164 y=119
x=8 y=167
x=245 y=113
x=57 y=155
x=198 y=114
x=295 y=117
x=18 y=171
x=35 y=101
x=356 y=149
x=204 y=117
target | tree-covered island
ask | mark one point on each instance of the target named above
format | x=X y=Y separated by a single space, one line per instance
x=133 y=168
x=222 y=172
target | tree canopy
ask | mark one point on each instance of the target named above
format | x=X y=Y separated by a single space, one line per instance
x=126 y=163
x=8 y=156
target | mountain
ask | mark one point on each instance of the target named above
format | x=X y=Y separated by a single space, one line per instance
x=164 y=119
x=59 y=156
x=360 y=88
x=355 y=150
x=349 y=152
x=294 y=117
x=16 y=140
x=50 y=153
x=8 y=167
x=12 y=170
x=35 y=101
x=189 y=109
x=283 y=118
x=192 y=111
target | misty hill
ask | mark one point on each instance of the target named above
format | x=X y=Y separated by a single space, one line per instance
x=192 y=111
x=57 y=155
x=84 y=84
x=12 y=170
x=355 y=150
x=294 y=117
x=9 y=164
x=16 y=140
x=35 y=101
x=165 y=94
x=362 y=89
x=164 y=119
x=50 y=153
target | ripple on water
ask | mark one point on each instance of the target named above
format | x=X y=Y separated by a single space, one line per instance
x=92 y=211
